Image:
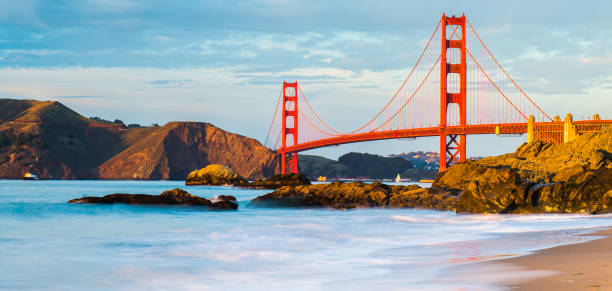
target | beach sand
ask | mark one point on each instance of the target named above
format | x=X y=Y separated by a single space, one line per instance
x=583 y=266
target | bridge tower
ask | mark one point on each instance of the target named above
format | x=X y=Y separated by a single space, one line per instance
x=289 y=162
x=452 y=147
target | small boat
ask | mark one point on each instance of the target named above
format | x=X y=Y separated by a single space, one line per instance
x=30 y=176
x=322 y=179
x=426 y=181
x=398 y=179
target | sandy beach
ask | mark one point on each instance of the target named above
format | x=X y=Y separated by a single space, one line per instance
x=583 y=266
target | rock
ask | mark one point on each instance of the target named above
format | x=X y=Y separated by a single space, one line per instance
x=539 y=177
x=341 y=195
x=171 y=197
x=422 y=198
x=277 y=181
x=226 y=198
x=223 y=175
x=224 y=205
x=215 y=175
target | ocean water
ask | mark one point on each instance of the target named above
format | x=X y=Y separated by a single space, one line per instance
x=48 y=244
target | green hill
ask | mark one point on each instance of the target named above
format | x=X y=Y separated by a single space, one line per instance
x=353 y=165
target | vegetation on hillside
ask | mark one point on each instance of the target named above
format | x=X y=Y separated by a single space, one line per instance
x=353 y=165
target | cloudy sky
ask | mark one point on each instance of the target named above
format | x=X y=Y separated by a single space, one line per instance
x=224 y=61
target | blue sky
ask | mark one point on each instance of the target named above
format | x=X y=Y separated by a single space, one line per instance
x=224 y=61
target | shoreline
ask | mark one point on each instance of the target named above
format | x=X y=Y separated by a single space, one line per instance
x=581 y=266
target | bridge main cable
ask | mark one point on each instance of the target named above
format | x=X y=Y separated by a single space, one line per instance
x=403 y=84
x=506 y=73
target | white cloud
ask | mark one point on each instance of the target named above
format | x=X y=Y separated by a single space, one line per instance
x=534 y=53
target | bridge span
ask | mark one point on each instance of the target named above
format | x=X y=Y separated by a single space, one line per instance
x=456 y=88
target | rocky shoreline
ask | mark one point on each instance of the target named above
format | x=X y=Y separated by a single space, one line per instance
x=574 y=177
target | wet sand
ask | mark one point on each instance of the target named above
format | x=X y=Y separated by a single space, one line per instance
x=583 y=266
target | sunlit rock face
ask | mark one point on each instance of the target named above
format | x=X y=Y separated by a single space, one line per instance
x=538 y=177
x=215 y=175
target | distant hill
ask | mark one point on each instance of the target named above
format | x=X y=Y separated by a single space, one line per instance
x=354 y=165
x=51 y=140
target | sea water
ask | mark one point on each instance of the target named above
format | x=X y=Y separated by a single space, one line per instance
x=46 y=243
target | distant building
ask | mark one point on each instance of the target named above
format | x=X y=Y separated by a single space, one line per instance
x=421 y=159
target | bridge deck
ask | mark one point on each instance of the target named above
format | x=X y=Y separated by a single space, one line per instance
x=507 y=128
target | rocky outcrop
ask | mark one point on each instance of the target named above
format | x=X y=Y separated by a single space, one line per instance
x=171 y=197
x=277 y=181
x=538 y=178
x=218 y=175
x=347 y=195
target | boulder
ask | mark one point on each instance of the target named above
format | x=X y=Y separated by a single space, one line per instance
x=277 y=181
x=342 y=195
x=171 y=197
x=217 y=175
x=226 y=198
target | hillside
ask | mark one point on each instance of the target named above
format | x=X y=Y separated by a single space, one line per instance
x=353 y=165
x=49 y=139
x=174 y=150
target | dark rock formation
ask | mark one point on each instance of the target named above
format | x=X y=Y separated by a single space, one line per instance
x=277 y=181
x=226 y=198
x=171 y=197
x=337 y=195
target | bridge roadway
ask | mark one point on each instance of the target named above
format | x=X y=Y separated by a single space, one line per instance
x=504 y=128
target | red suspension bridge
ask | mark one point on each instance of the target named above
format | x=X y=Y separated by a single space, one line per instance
x=456 y=88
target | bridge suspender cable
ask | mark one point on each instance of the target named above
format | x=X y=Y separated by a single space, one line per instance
x=274 y=116
x=506 y=73
x=403 y=84
x=413 y=94
x=389 y=102
x=316 y=115
x=493 y=83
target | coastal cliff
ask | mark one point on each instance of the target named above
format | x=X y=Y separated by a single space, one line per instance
x=52 y=141
x=176 y=149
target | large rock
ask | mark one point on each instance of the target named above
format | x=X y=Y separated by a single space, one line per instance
x=222 y=175
x=345 y=195
x=215 y=175
x=171 y=197
x=277 y=181
x=538 y=178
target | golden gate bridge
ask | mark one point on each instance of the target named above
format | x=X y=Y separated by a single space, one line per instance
x=456 y=88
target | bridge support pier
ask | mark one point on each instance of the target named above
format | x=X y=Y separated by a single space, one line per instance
x=452 y=147
x=289 y=160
